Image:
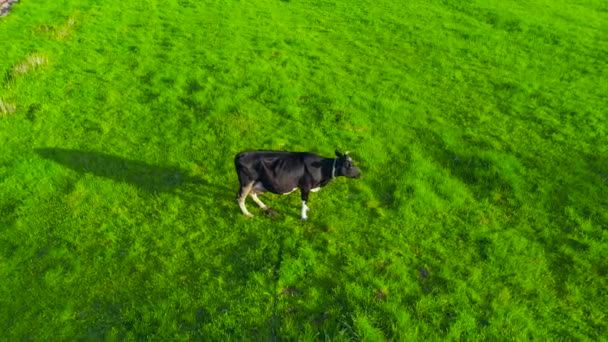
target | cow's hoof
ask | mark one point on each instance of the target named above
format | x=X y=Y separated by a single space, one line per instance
x=304 y=218
x=271 y=213
x=249 y=215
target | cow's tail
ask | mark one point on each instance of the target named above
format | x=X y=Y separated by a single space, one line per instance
x=243 y=171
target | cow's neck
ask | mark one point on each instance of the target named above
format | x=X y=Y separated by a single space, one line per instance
x=328 y=171
x=333 y=169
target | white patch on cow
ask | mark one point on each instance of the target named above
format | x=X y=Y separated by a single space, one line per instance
x=304 y=210
x=315 y=189
x=287 y=193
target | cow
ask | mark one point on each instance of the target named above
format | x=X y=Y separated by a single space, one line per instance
x=282 y=172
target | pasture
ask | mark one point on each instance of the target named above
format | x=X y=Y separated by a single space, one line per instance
x=480 y=128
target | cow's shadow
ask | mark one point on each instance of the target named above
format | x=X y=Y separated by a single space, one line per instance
x=150 y=178
x=239 y=256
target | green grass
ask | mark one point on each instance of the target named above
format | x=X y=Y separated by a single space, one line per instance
x=480 y=128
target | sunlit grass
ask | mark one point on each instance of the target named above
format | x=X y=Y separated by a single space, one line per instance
x=480 y=129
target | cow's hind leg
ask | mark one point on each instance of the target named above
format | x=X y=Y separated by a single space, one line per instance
x=242 y=196
x=266 y=208
x=258 y=201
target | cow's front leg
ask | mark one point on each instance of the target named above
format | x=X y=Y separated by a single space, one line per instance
x=305 y=208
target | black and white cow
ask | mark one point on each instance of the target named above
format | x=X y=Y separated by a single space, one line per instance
x=282 y=172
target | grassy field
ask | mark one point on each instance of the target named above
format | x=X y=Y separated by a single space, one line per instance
x=480 y=128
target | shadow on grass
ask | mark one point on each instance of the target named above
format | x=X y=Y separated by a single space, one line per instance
x=573 y=206
x=233 y=263
x=480 y=174
x=148 y=177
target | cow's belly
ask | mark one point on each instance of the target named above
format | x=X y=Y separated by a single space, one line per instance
x=261 y=187
x=288 y=192
x=258 y=188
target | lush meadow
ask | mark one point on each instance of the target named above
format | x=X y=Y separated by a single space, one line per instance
x=480 y=128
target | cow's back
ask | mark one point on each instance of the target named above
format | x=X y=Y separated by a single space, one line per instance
x=278 y=171
x=252 y=157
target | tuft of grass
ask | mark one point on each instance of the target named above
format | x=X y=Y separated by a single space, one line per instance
x=32 y=62
x=60 y=32
x=6 y=107
x=64 y=31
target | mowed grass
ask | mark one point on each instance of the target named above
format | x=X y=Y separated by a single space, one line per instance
x=480 y=128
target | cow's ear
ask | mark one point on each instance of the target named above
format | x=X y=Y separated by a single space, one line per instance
x=338 y=154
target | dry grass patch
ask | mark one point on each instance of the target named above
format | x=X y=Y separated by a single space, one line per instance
x=6 y=108
x=64 y=31
x=61 y=32
x=32 y=62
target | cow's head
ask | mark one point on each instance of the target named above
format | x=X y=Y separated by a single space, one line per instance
x=345 y=166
